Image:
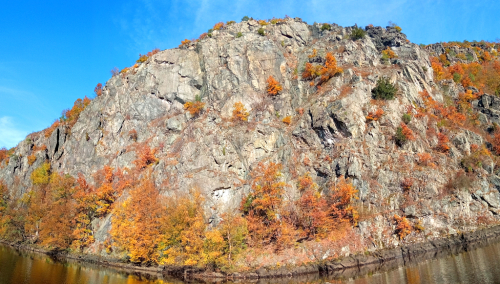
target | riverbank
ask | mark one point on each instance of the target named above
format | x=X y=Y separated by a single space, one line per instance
x=347 y=267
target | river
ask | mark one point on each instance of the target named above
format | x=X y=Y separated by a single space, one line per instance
x=480 y=265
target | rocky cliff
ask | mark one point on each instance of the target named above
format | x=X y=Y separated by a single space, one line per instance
x=329 y=135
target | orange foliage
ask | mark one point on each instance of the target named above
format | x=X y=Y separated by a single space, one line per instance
x=313 y=217
x=263 y=205
x=239 y=113
x=440 y=72
x=69 y=117
x=330 y=69
x=287 y=120
x=184 y=42
x=443 y=143
x=3 y=154
x=203 y=35
x=389 y=53
x=56 y=224
x=98 y=89
x=438 y=110
x=407 y=132
x=311 y=71
x=326 y=72
x=374 y=116
x=342 y=194
x=51 y=129
x=273 y=87
x=138 y=224
x=145 y=157
x=194 y=108
x=31 y=159
x=403 y=226
x=153 y=52
x=218 y=26
x=424 y=159
x=313 y=54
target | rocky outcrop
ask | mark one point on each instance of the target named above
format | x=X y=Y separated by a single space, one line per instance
x=329 y=136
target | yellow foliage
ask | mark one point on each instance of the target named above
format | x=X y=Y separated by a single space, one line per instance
x=41 y=175
x=239 y=113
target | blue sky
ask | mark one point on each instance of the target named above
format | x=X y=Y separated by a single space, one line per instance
x=53 y=52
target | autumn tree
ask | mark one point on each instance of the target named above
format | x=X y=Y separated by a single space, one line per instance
x=273 y=87
x=138 y=223
x=443 y=141
x=98 y=89
x=376 y=115
x=263 y=206
x=342 y=194
x=85 y=199
x=330 y=69
x=56 y=224
x=183 y=240
x=195 y=107
x=224 y=244
x=145 y=157
x=239 y=112
x=403 y=227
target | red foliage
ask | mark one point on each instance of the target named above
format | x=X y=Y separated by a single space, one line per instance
x=98 y=89
x=443 y=143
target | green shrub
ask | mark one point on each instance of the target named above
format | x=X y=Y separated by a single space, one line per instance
x=469 y=57
x=244 y=19
x=262 y=32
x=406 y=118
x=210 y=31
x=400 y=136
x=357 y=33
x=239 y=34
x=456 y=77
x=384 y=90
x=326 y=27
x=230 y=23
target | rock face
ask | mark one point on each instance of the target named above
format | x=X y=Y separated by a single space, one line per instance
x=329 y=136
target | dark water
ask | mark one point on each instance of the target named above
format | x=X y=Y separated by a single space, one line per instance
x=480 y=265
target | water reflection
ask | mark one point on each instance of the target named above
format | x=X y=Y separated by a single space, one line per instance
x=21 y=267
x=475 y=266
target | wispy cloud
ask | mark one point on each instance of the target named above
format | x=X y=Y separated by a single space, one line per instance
x=10 y=134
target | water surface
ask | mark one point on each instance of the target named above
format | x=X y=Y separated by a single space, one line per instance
x=480 y=265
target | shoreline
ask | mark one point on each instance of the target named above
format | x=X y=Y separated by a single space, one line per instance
x=346 y=267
